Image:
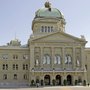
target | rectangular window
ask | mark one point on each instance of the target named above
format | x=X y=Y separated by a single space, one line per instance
x=25 y=66
x=5 y=56
x=5 y=66
x=15 y=56
x=25 y=57
x=15 y=66
x=25 y=76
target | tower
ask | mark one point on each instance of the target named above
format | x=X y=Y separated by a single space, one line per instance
x=48 y=20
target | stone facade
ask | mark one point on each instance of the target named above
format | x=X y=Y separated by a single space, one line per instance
x=51 y=55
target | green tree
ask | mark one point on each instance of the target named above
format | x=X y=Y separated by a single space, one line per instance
x=65 y=82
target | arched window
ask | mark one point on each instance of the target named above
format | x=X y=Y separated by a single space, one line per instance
x=42 y=29
x=45 y=28
x=46 y=59
x=51 y=28
x=68 y=59
x=57 y=59
x=48 y=29
x=79 y=79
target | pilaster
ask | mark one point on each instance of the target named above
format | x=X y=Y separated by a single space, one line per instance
x=52 y=61
x=63 y=57
x=74 y=61
x=31 y=57
x=41 y=64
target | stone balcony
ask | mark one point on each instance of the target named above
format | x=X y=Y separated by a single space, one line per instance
x=57 y=70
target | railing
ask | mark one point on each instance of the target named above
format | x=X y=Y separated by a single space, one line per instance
x=57 y=70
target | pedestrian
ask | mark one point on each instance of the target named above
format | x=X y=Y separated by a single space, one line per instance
x=88 y=84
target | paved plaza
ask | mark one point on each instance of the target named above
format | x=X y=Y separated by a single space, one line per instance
x=51 y=88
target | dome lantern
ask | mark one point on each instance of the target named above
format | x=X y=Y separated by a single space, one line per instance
x=47 y=5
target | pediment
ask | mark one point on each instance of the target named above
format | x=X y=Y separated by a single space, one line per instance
x=58 y=37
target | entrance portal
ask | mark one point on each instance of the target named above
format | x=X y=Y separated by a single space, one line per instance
x=58 y=80
x=47 y=79
x=69 y=80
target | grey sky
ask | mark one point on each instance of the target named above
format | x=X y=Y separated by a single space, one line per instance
x=16 y=17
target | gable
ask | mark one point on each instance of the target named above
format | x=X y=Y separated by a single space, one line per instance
x=58 y=37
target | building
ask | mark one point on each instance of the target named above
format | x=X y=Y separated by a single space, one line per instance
x=50 y=57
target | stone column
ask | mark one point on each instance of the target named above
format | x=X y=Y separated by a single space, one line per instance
x=41 y=63
x=51 y=76
x=63 y=78
x=63 y=57
x=52 y=59
x=85 y=76
x=74 y=78
x=52 y=64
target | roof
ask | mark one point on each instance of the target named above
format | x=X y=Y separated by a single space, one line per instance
x=48 y=11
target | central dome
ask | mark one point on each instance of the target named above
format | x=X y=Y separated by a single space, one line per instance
x=48 y=12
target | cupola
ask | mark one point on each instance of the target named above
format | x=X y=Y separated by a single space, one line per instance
x=48 y=20
x=14 y=42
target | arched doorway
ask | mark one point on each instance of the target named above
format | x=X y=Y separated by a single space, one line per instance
x=37 y=79
x=69 y=80
x=58 y=80
x=47 y=79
